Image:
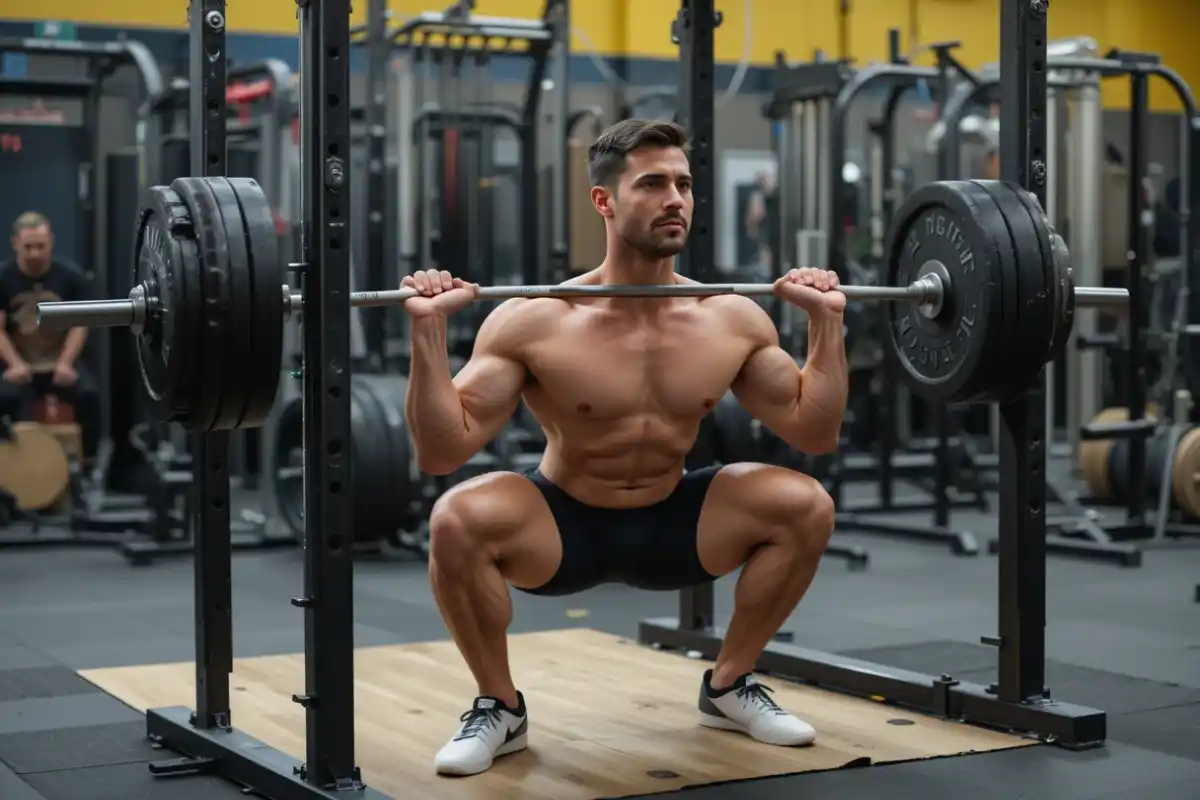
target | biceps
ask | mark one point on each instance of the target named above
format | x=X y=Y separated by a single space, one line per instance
x=490 y=388
x=769 y=383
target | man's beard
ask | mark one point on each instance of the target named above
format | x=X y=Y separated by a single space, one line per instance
x=649 y=245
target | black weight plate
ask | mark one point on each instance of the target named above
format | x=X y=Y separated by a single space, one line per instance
x=735 y=434
x=1044 y=231
x=267 y=276
x=243 y=323
x=213 y=250
x=1030 y=329
x=947 y=358
x=287 y=466
x=1008 y=359
x=166 y=263
x=382 y=456
x=370 y=463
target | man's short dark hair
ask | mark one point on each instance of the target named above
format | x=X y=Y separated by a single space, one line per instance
x=606 y=156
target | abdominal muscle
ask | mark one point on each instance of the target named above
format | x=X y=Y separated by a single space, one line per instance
x=632 y=462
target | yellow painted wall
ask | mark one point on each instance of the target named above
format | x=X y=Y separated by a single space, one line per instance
x=641 y=27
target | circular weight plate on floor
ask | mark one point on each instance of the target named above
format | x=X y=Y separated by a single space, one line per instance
x=165 y=263
x=243 y=331
x=941 y=227
x=213 y=249
x=1186 y=476
x=384 y=462
x=33 y=467
x=1092 y=455
x=267 y=278
x=736 y=434
x=287 y=466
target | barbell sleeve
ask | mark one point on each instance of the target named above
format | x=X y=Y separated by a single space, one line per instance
x=59 y=316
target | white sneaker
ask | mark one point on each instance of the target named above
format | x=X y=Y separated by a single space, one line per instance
x=489 y=730
x=747 y=707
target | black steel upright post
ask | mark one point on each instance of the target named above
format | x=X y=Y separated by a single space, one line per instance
x=328 y=577
x=1135 y=253
x=212 y=563
x=694 y=31
x=1022 y=524
x=558 y=15
x=378 y=47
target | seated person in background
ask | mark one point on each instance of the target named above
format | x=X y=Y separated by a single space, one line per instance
x=620 y=386
x=36 y=362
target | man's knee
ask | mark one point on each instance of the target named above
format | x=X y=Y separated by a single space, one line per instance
x=807 y=514
x=469 y=522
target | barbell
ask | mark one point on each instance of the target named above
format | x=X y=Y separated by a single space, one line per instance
x=978 y=287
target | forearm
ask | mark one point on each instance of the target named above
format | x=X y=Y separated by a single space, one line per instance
x=73 y=346
x=433 y=408
x=825 y=382
x=8 y=350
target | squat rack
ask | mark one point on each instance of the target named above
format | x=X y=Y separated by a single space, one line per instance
x=1020 y=700
x=206 y=735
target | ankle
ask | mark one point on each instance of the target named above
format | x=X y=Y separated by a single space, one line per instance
x=508 y=696
x=723 y=677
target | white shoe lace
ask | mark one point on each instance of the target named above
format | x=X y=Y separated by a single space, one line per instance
x=477 y=721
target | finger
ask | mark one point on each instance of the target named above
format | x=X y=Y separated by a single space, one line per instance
x=834 y=281
x=447 y=280
x=407 y=280
x=459 y=283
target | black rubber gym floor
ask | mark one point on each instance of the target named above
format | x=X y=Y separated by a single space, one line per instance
x=1125 y=640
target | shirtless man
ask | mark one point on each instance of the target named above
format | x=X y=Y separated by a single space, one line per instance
x=620 y=386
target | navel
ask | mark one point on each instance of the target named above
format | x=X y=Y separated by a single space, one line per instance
x=709 y=403
x=584 y=408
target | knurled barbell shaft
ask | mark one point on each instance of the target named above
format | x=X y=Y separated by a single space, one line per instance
x=928 y=290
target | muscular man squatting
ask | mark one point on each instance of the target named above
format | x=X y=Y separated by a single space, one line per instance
x=620 y=386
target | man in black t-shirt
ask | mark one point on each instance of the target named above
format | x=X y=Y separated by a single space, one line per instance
x=38 y=362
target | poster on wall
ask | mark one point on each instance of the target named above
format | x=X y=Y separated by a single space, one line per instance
x=746 y=178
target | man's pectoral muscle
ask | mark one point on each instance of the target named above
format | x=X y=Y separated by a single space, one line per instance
x=804 y=407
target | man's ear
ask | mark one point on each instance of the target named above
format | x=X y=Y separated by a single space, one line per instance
x=603 y=200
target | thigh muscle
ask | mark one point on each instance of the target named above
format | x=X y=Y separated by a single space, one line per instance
x=749 y=505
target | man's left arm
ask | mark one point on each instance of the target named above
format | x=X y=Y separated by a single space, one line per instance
x=804 y=407
x=77 y=289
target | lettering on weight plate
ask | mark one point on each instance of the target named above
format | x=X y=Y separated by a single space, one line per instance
x=912 y=242
x=938 y=225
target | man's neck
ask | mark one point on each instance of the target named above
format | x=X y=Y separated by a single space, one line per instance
x=32 y=272
x=632 y=270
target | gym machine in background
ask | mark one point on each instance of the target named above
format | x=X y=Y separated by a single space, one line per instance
x=1019 y=700
x=51 y=159
x=470 y=167
x=1143 y=526
x=809 y=107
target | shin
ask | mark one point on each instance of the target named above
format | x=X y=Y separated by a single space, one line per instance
x=473 y=599
x=774 y=578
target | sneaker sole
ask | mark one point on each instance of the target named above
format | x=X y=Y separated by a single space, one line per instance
x=726 y=724
x=516 y=745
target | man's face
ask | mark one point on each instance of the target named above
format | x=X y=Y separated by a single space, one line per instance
x=652 y=207
x=32 y=246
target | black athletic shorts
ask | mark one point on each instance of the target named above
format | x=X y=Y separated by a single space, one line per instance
x=649 y=548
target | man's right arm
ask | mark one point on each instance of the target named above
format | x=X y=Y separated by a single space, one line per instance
x=451 y=419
